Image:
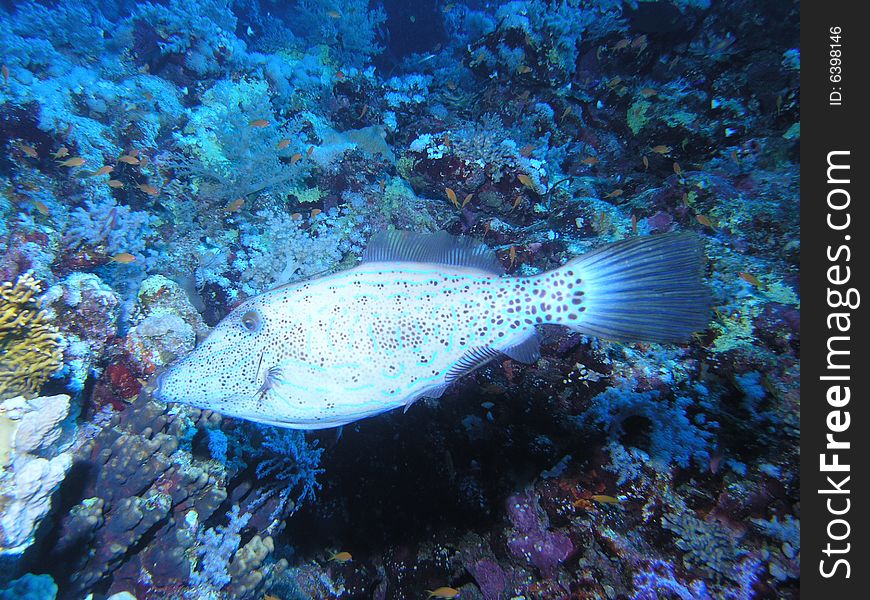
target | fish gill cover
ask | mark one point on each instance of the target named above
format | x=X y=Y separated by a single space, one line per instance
x=161 y=163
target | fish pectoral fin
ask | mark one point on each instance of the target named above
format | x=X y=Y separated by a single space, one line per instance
x=471 y=360
x=433 y=392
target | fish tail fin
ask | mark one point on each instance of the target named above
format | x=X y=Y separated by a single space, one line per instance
x=648 y=288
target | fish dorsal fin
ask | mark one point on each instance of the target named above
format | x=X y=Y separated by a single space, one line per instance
x=439 y=248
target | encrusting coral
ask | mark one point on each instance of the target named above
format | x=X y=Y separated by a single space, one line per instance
x=29 y=344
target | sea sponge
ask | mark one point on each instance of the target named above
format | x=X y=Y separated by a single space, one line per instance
x=30 y=345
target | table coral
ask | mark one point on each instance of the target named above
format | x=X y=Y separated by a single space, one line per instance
x=29 y=342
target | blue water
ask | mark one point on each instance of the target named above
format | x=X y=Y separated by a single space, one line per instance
x=162 y=162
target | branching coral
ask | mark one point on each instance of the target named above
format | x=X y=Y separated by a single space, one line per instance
x=29 y=343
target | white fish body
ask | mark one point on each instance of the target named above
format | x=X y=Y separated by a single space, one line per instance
x=419 y=312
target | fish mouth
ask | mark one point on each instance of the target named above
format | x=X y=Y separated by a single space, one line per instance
x=157 y=385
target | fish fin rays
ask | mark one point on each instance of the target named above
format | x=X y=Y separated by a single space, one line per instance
x=471 y=360
x=527 y=351
x=433 y=392
x=438 y=248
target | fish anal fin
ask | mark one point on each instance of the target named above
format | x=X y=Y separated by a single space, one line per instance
x=438 y=248
x=527 y=351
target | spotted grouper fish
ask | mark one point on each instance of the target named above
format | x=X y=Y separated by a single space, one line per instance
x=419 y=312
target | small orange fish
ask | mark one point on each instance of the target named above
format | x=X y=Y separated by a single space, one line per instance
x=590 y=160
x=62 y=152
x=124 y=258
x=615 y=193
x=341 y=557
x=605 y=499
x=648 y=92
x=75 y=161
x=513 y=255
x=148 y=189
x=5 y=71
x=339 y=75
x=517 y=202
x=42 y=208
x=296 y=216
x=143 y=161
x=735 y=157
x=235 y=205
x=29 y=151
x=134 y=152
x=523 y=69
x=703 y=220
x=295 y=158
x=526 y=181
x=452 y=85
x=467 y=199
x=486 y=227
x=451 y=195
x=128 y=159
x=315 y=212
x=148 y=96
x=333 y=14
x=446 y=140
x=283 y=144
x=114 y=183
x=750 y=278
x=614 y=82
x=259 y=123
x=685 y=199
x=678 y=169
x=527 y=150
x=645 y=162
x=443 y=592
x=363 y=112
x=661 y=149
x=309 y=151
x=103 y=170
x=639 y=42
x=382 y=184
x=565 y=113
x=621 y=44
x=634 y=224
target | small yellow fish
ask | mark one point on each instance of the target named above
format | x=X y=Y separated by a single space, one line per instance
x=128 y=159
x=315 y=212
x=148 y=189
x=75 y=161
x=467 y=199
x=512 y=254
x=678 y=169
x=615 y=193
x=526 y=181
x=333 y=14
x=451 y=195
x=259 y=123
x=661 y=149
x=590 y=160
x=29 y=151
x=283 y=144
x=295 y=158
x=41 y=207
x=124 y=258
x=605 y=499
x=341 y=557
x=114 y=183
x=645 y=162
x=523 y=69
x=235 y=205
x=648 y=92
x=103 y=170
x=517 y=202
x=62 y=152
x=703 y=220
x=749 y=278
x=443 y=592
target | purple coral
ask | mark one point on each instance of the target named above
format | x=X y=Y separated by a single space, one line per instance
x=531 y=539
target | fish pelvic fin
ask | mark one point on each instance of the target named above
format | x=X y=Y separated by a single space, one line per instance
x=648 y=288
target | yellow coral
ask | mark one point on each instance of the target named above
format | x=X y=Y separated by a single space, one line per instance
x=30 y=350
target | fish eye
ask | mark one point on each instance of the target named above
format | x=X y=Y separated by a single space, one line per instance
x=251 y=321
